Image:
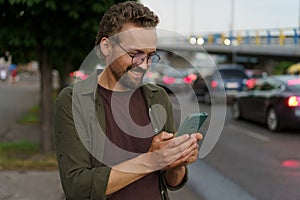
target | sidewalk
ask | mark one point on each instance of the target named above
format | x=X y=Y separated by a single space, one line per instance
x=30 y=185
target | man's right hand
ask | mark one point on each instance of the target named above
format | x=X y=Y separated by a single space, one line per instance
x=166 y=149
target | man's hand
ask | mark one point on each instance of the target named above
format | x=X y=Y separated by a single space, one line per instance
x=175 y=170
x=190 y=155
x=172 y=152
x=161 y=140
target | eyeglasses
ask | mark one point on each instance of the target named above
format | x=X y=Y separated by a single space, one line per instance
x=138 y=58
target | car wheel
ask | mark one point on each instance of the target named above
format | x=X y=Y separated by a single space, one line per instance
x=236 y=112
x=207 y=99
x=272 y=120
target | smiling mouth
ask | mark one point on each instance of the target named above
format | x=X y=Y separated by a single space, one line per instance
x=136 y=75
x=136 y=72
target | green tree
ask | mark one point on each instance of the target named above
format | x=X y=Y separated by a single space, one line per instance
x=281 y=67
x=59 y=34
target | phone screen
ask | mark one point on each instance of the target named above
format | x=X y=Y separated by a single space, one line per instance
x=192 y=123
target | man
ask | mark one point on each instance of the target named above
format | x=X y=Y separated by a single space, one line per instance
x=114 y=135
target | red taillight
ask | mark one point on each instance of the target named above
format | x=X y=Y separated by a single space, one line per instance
x=294 y=101
x=168 y=80
x=214 y=84
x=187 y=80
x=250 y=83
x=149 y=74
x=72 y=74
x=190 y=78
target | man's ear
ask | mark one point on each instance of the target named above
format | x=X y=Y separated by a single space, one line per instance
x=105 y=46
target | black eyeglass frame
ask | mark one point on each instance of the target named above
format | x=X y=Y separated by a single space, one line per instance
x=142 y=59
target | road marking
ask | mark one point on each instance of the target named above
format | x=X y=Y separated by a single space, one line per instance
x=250 y=133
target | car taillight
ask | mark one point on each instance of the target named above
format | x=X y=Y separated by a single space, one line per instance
x=294 y=101
x=168 y=80
x=149 y=74
x=214 y=84
x=190 y=78
x=250 y=83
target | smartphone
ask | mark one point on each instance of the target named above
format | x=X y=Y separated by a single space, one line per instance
x=192 y=123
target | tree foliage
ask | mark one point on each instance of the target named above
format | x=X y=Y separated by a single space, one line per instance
x=281 y=67
x=65 y=29
x=59 y=34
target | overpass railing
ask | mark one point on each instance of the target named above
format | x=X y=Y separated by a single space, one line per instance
x=257 y=37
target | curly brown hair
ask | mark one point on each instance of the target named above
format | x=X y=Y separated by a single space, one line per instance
x=122 y=13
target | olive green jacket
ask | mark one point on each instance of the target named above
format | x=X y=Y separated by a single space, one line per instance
x=80 y=137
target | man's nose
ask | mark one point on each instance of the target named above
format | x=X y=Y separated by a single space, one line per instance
x=144 y=64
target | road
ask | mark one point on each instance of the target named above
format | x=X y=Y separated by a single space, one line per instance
x=248 y=162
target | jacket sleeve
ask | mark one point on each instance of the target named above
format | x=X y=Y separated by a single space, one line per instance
x=79 y=177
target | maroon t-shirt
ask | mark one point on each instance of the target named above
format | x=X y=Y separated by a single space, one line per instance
x=129 y=134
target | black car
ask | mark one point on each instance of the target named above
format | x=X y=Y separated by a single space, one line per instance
x=226 y=80
x=274 y=101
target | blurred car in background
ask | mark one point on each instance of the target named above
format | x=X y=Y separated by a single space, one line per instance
x=227 y=79
x=274 y=101
x=253 y=74
x=171 y=79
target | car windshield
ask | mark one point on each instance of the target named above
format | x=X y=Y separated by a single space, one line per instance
x=228 y=74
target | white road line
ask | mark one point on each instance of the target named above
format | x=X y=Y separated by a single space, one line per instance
x=250 y=133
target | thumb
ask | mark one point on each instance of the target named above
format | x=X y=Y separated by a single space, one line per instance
x=166 y=135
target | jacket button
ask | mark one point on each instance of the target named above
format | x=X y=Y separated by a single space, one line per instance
x=155 y=130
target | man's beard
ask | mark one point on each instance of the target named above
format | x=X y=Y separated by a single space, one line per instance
x=127 y=82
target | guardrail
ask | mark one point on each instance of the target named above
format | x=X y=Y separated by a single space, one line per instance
x=258 y=37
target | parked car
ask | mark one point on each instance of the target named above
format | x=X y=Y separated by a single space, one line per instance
x=226 y=80
x=274 y=101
